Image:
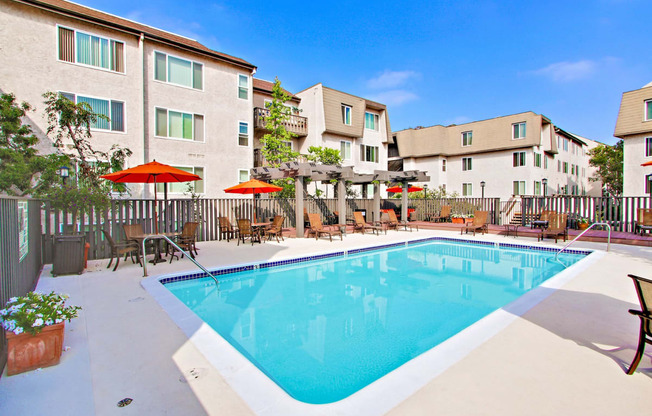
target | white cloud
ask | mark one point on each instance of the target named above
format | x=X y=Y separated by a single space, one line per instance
x=394 y=97
x=392 y=79
x=568 y=71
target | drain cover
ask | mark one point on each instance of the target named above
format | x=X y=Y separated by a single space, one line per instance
x=192 y=375
x=125 y=402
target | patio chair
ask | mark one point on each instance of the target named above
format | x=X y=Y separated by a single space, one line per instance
x=128 y=248
x=318 y=228
x=227 y=229
x=556 y=227
x=479 y=223
x=361 y=225
x=444 y=214
x=395 y=222
x=542 y=219
x=245 y=230
x=644 y=292
x=187 y=240
x=276 y=229
x=643 y=221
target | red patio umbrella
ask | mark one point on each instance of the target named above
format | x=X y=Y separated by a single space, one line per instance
x=253 y=186
x=152 y=172
x=649 y=163
x=397 y=189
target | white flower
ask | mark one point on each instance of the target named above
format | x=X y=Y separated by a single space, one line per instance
x=18 y=330
x=48 y=322
x=58 y=320
x=37 y=322
x=12 y=300
x=4 y=312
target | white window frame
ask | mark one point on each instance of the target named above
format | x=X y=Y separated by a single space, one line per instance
x=363 y=156
x=348 y=145
x=376 y=119
x=240 y=75
x=248 y=133
x=537 y=188
x=520 y=191
x=168 y=126
x=465 y=161
x=58 y=50
x=467 y=136
x=167 y=71
x=443 y=165
x=519 y=159
x=537 y=160
x=648 y=147
x=346 y=107
x=519 y=130
x=194 y=170
x=238 y=175
x=647 y=109
x=124 y=110
x=466 y=185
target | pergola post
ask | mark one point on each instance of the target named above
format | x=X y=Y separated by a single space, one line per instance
x=376 y=207
x=341 y=201
x=404 y=202
x=298 y=195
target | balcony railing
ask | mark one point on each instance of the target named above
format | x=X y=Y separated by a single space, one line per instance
x=260 y=161
x=295 y=124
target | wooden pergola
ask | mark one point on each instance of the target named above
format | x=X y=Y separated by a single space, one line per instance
x=341 y=174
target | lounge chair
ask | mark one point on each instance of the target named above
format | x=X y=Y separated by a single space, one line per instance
x=362 y=226
x=643 y=221
x=479 y=223
x=128 y=247
x=542 y=220
x=245 y=230
x=644 y=292
x=317 y=228
x=556 y=227
x=444 y=214
x=276 y=229
x=227 y=229
x=395 y=222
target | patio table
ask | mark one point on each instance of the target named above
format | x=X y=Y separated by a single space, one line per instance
x=157 y=247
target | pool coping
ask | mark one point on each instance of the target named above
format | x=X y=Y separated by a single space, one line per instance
x=264 y=397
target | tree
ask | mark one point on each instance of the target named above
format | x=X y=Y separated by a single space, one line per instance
x=609 y=162
x=275 y=143
x=324 y=155
x=19 y=161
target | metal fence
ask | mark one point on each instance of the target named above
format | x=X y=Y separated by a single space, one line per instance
x=20 y=251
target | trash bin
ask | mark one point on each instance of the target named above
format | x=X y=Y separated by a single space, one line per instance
x=68 y=254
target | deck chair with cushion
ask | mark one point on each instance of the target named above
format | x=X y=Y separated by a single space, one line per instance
x=398 y=223
x=245 y=230
x=444 y=214
x=318 y=228
x=643 y=221
x=362 y=226
x=556 y=227
x=128 y=247
x=644 y=292
x=227 y=229
x=479 y=223
x=276 y=229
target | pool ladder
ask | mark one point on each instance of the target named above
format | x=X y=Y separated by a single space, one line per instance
x=191 y=258
x=583 y=232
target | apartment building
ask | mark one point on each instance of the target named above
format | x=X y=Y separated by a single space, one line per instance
x=634 y=126
x=519 y=154
x=358 y=127
x=169 y=98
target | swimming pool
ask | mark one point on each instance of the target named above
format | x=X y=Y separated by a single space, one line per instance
x=324 y=329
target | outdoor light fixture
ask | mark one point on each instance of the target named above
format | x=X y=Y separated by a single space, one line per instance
x=425 y=191
x=482 y=184
x=544 y=182
x=64 y=172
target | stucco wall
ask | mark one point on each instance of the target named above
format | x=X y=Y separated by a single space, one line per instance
x=634 y=173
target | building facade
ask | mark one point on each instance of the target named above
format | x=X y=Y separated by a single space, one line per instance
x=634 y=126
x=519 y=154
x=169 y=98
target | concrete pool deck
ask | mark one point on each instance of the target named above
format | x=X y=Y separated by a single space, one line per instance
x=566 y=355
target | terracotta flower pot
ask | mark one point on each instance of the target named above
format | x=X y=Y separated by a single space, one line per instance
x=458 y=220
x=583 y=225
x=28 y=352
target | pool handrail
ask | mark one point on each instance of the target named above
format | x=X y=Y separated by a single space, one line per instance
x=166 y=238
x=583 y=232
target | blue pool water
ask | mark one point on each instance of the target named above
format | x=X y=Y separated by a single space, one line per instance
x=323 y=330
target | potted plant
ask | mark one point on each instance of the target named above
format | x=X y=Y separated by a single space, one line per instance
x=34 y=327
x=457 y=218
x=469 y=218
x=583 y=223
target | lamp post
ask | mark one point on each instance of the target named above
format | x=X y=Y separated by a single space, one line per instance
x=482 y=184
x=425 y=191
x=64 y=172
x=544 y=182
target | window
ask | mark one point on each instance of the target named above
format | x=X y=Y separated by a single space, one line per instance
x=243 y=86
x=467 y=163
x=467 y=189
x=443 y=165
x=243 y=175
x=559 y=166
x=467 y=138
x=565 y=167
x=537 y=188
x=648 y=184
x=345 y=150
x=178 y=71
x=114 y=110
x=178 y=125
x=83 y=48
x=572 y=169
x=583 y=172
x=648 y=146
x=182 y=187
x=346 y=114
x=537 y=160
x=565 y=144
x=545 y=162
x=518 y=130
x=243 y=133
x=368 y=153
x=519 y=159
x=648 y=110
x=370 y=121
x=519 y=187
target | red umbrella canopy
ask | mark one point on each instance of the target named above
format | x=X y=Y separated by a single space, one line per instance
x=152 y=172
x=647 y=163
x=411 y=188
x=253 y=186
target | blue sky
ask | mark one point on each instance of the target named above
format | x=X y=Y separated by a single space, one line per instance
x=434 y=62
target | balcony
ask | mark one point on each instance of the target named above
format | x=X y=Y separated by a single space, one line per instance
x=260 y=161
x=295 y=124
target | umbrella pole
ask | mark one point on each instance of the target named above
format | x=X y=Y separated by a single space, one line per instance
x=254 y=194
x=155 y=208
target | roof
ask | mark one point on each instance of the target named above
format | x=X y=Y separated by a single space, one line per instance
x=569 y=135
x=368 y=103
x=105 y=19
x=266 y=86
